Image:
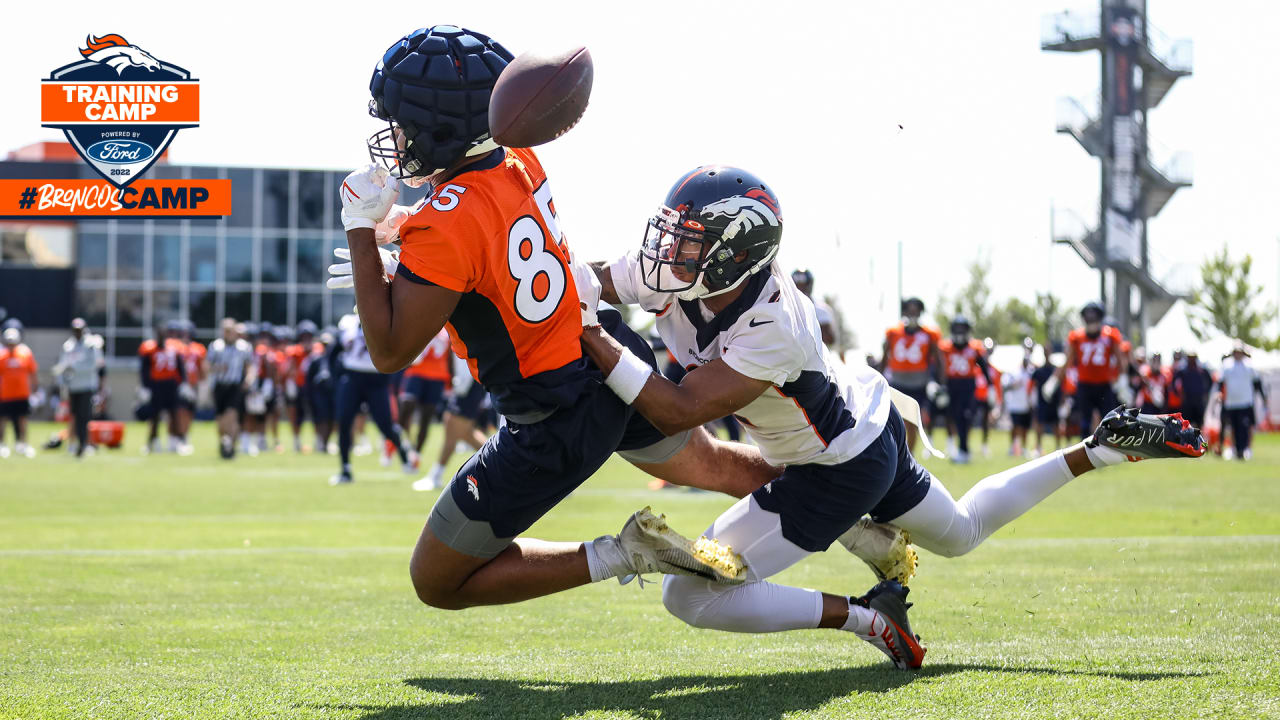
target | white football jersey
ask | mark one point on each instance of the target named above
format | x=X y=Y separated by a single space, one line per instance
x=818 y=410
x=355 y=353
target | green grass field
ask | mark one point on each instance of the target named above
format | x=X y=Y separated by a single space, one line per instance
x=140 y=587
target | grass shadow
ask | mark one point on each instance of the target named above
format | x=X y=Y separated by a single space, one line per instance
x=691 y=697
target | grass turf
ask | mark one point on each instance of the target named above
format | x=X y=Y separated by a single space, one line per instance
x=164 y=586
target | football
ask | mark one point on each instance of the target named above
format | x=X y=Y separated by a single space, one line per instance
x=540 y=96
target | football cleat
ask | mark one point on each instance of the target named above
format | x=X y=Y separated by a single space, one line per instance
x=342 y=478
x=884 y=547
x=653 y=547
x=890 y=631
x=1141 y=437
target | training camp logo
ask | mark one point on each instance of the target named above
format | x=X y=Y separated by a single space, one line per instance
x=119 y=106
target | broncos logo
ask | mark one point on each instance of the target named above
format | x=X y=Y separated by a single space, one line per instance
x=745 y=212
x=115 y=51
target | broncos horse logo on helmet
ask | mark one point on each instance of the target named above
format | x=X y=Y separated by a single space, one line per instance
x=744 y=212
x=115 y=51
x=718 y=226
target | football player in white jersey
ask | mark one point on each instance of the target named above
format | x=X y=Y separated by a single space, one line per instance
x=707 y=269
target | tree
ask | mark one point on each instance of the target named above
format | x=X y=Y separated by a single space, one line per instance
x=1226 y=302
x=1053 y=319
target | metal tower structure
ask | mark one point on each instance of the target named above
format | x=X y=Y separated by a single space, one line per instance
x=1139 y=67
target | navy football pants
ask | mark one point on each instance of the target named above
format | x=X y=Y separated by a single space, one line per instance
x=372 y=389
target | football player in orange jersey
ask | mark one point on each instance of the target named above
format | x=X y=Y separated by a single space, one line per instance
x=295 y=383
x=483 y=256
x=18 y=379
x=911 y=360
x=965 y=361
x=193 y=354
x=163 y=370
x=1099 y=353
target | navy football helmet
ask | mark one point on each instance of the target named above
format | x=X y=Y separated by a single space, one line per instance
x=432 y=88
x=960 y=330
x=718 y=226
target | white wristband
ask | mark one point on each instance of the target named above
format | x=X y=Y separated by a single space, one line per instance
x=628 y=376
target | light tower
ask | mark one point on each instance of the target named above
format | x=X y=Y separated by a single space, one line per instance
x=1139 y=67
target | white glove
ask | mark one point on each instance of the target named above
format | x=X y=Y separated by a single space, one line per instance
x=588 y=290
x=367 y=195
x=290 y=389
x=187 y=392
x=36 y=399
x=341 y=272
x=267 y=389
x=1124 y=393
x=388 y=231
x=144 y=395
x=1049 y=387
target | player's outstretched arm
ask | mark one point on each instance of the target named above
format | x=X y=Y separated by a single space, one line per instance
x=398 y=318
x=705 y=394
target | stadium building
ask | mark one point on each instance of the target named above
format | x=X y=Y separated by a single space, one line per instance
x=266 y=262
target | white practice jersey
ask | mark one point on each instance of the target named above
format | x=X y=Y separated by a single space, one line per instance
x=1238 y=378
x=818 y=410
x=355 y=353
x=1017 y=390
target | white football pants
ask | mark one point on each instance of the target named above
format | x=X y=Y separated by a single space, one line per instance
x=938 y=523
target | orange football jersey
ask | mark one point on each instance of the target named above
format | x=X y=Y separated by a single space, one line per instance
x=491 y=233
x=295 y=355
x=962 y=362
x=164 y=359
x=194 y=357
x=16 y=366
x=1097 y=358
x=433 y=362
x=909 y=350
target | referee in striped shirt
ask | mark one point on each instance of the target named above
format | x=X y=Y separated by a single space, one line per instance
x=230 y=364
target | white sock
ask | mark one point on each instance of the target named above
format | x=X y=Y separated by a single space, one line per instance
x=860 y=619
x=948 y=527
x=605 y=558
x=260 y=441
x=1103 y=456
x=437 y=474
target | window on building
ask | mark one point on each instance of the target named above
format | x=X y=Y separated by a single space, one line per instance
x=239 y=305
x=166 y=257
x=275 y=259
x=312 y=190
x=129 y=253
x=202 y=263
x=244 y=197
x=275 y=198
x=40 y=244
x=92 y=306
x=129 y=309
x=275 y=308
x=239 y=262
x=203 y=306
x=91 y=256
x=314 y=257
x=310 y=306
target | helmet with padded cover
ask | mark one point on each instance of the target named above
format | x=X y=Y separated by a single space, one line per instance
x=432 y=88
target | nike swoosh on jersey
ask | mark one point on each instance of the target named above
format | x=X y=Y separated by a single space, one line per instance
x=758 y=323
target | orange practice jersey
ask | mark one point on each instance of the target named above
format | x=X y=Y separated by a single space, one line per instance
x=1097 y=358
x=17 y=364
x=268 y=362
x=962 y=362
x=295 y=355
x=491 y=233
x=433 y=362
x=194 y=356
x=164 y=359
x=909 y=350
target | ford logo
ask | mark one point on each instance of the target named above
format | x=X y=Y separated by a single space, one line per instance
x=120 y=152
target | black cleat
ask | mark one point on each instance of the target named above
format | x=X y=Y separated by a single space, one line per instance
x=891 y=632
x=1148 y=436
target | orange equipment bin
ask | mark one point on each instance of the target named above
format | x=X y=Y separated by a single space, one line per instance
x=108 y=433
